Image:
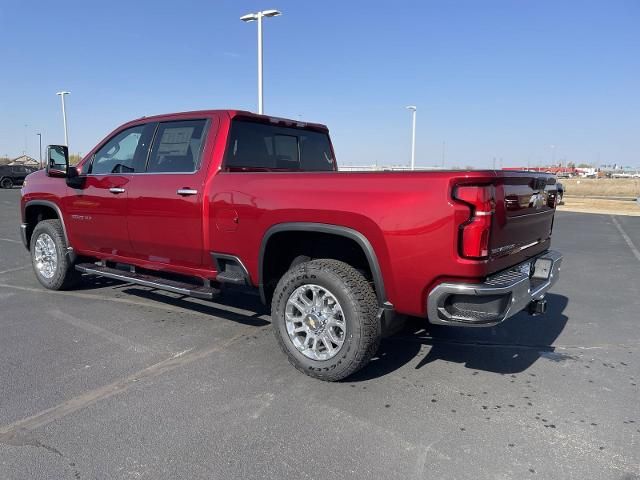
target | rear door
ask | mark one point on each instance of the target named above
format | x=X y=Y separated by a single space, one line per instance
x=525 y=206
x=166 y=202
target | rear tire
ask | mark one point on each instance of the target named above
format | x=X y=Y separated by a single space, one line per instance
x=326 y=299
x=49 y=257
x=6 y=183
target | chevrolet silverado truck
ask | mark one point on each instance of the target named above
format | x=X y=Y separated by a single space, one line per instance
x=194 y=202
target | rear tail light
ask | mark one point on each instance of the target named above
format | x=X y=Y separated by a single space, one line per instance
x=474 y=233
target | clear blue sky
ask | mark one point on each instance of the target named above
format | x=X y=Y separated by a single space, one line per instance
x=491 y=78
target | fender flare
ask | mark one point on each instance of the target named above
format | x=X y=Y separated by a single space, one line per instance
x=347 y=232
x=56 y=208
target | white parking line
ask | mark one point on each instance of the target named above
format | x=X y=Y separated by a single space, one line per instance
x=104 y=298
x=82 y=401
x=626 y=238
x=17 y=269
x=10 y=240
x=124 y=342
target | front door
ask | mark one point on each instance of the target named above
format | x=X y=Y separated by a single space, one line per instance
x=166 y=203
x=97 y=211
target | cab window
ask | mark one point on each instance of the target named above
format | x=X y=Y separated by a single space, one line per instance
x=126 y=152
x=177 y=147
x=258 y=146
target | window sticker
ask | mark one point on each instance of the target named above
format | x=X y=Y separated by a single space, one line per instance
x=175 y=141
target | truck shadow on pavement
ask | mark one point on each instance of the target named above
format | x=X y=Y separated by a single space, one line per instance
x=256 y=313
x=511 y=347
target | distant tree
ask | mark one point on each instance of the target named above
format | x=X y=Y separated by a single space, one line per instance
x=5 y=160
x=584 y=165
x=74 y=158
x=571 y=165
x=468 y=167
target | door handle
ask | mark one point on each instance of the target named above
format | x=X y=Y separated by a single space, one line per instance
x=116 y=190
x=185 y=192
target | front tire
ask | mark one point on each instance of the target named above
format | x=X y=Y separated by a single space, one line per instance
x=324 y=316
x=49 y=257
x=6 y=183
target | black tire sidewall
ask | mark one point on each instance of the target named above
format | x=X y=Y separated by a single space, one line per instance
x=310 y=274
x=57 y=281
x=6 y=183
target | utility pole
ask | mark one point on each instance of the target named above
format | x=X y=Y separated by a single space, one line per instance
x=252 y=17
x=64 y=117
x=26 y=142
x=413 y=109
x=40 y=150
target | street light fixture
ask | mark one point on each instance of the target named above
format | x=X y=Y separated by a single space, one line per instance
x=253 y=17
x=64 y=117
x=413 y=109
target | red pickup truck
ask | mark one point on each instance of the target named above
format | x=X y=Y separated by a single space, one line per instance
x=189 y=202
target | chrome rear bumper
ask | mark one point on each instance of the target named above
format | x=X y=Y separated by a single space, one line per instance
x=499 y=297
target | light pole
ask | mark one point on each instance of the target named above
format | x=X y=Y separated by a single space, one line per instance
x=26 y=140
x=40 y=151
x=413 y=109
x=64 y=117
x=252 y=17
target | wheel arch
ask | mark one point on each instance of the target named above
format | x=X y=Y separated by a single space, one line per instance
x=37 y=210
x=334 y=230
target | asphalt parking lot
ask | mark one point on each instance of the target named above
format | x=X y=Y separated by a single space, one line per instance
x=118 y=381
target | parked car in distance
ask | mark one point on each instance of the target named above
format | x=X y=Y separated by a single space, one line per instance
x=191 y=202
x=11 y=175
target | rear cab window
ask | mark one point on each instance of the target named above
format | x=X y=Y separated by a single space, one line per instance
x=255 y=146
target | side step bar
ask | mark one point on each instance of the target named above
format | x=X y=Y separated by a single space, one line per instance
x=152 y=281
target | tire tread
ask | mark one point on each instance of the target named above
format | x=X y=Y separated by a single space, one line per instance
x=67 y=277
x=366 y=306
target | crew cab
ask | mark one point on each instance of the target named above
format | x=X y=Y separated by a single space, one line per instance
x=191 y=202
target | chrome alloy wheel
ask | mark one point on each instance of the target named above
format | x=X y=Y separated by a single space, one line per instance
x=315 y=322
x=46 y=256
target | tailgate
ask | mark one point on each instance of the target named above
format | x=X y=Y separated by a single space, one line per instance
x=523 y=219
